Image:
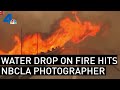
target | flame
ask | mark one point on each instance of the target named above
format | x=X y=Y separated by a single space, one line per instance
x=69 y=30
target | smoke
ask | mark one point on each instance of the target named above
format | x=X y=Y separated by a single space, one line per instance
x=30 y=22
x=47 y=21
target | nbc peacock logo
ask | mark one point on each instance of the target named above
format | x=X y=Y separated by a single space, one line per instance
x=13 y=21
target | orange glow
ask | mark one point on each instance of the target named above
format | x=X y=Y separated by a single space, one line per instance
x=68 y=30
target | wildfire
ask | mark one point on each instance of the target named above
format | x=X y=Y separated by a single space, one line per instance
x=69 y=30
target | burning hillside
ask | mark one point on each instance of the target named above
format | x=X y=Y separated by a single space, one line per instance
x=68 y=30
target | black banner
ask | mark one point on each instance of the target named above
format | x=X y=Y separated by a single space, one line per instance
x=60 y=5
x=53 y=70
x=58 y=60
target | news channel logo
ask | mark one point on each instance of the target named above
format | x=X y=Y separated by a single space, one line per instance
x=8 y=19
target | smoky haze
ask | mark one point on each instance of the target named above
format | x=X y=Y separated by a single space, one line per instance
x=30 y=22
x=45 y=21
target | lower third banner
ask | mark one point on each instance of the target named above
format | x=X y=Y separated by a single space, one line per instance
x=53 y=70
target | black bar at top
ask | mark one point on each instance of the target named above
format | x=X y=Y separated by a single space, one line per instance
x=60 y=5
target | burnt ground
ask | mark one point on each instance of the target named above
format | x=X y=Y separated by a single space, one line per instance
x=106 y=42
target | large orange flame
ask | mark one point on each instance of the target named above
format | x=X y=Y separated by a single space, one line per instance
x=69 y=30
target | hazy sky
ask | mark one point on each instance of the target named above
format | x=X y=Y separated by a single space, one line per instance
x=43 y=21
